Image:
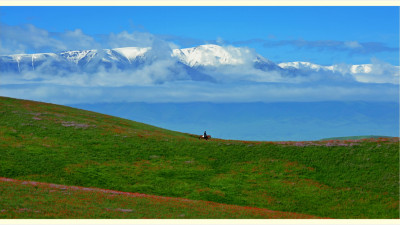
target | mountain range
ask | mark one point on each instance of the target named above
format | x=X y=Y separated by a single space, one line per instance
x=199 y=63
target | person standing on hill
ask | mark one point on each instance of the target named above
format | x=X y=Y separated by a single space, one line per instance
x=205 y=135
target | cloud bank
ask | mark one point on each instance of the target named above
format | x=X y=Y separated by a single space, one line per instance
x=189 y=91
x=26 y=39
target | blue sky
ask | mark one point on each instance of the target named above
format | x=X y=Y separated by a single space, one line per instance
x=323 y=35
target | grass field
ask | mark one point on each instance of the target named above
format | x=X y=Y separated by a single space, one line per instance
x=51 y=201
x=56 y=144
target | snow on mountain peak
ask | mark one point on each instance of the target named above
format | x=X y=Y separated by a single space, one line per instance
x=132 y=53
x=76 y=56
x=212 y=55
x=129 y=53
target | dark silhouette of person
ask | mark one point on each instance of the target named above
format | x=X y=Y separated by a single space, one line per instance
x=205 y=135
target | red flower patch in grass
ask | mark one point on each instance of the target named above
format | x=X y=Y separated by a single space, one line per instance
x=118 y=130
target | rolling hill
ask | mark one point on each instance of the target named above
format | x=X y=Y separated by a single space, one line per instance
x=83 y=202
x=56 y=144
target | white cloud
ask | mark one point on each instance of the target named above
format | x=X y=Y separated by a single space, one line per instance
x=156 y=72
x=76 y=40
x=376 y=72
x=19 y=39
x=29 y=38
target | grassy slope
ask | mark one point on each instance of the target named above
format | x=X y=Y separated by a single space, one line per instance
x=43 y=200
x=57 y=144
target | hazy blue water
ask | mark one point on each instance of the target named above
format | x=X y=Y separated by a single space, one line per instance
x=263 y=121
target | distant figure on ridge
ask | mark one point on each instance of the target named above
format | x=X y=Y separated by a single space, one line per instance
x=205 y=136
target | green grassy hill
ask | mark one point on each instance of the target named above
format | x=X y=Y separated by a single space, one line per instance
x=58 y=144
x=31 y=199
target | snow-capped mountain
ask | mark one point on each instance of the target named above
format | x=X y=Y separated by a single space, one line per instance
x=122 y=58
x=204 y=62
x=201 y=56
x=211 y=55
